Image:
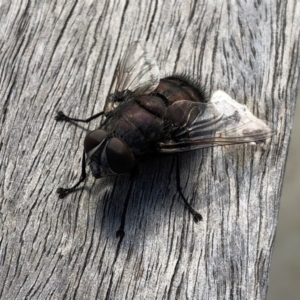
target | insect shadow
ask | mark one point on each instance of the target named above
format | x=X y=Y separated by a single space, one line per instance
x=134 y=204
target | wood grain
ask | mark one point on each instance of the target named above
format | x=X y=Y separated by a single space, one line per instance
x=62 y=55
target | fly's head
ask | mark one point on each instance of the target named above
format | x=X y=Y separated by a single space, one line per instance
x=108 y=155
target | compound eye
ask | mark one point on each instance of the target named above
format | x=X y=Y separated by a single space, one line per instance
x=119 y=158
x=94 y=139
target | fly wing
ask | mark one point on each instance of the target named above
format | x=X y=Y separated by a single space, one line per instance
x=220 y=122
x=136 y=72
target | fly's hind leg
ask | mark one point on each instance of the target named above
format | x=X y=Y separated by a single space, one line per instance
x=60 y=116
x=196 y=215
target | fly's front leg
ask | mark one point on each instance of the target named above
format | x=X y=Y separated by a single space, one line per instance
x=63 y=192
x=196 y=216
x=60 y=116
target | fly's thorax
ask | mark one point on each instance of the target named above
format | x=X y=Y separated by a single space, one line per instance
x=108 y=155
x=139 y=122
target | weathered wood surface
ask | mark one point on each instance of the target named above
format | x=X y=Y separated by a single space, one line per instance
x=61 y=55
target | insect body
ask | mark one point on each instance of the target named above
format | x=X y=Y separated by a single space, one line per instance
x=144 y=114
x=141 y=122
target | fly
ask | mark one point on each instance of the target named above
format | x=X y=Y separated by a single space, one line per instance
x=146 y=114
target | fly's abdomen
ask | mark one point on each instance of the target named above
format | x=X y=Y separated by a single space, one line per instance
x=176 y=88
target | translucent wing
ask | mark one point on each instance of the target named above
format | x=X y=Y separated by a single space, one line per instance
x=135 y=72
x=220 y=122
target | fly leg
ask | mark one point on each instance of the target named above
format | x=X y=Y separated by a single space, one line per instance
x=196 y=216
x=120 y=232
x=65 y=191
x=60 y=116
